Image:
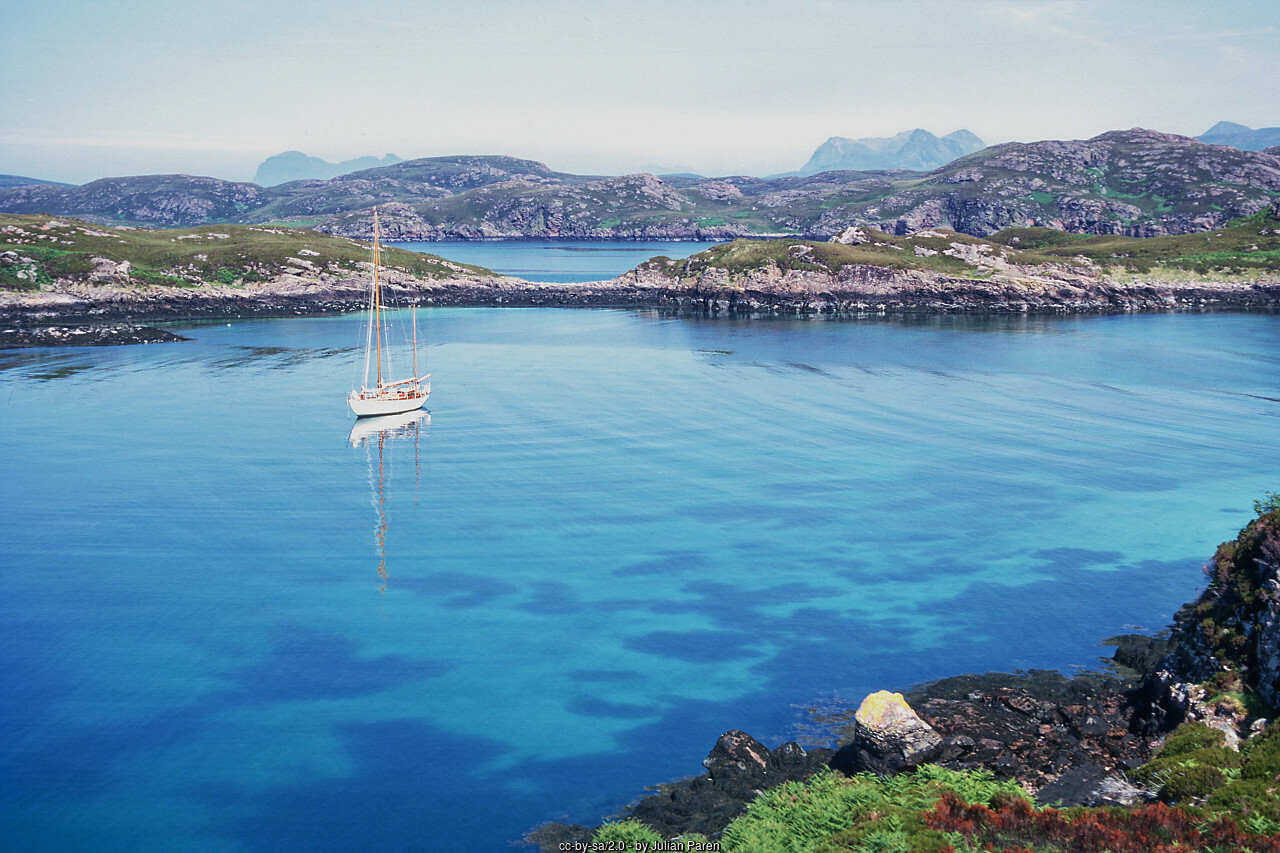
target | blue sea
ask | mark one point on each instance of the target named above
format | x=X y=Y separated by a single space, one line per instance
x=557 y=261
x=230 y=622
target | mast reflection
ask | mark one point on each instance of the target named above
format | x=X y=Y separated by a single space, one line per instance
x=384 y=432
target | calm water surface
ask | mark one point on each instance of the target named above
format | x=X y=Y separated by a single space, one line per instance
x=231 y=624
x=558 y=261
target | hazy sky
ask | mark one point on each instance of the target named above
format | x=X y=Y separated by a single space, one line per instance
x=115 y=87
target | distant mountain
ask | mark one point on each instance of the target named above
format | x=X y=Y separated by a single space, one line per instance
x=917 y=150
x=1137 y=182
x=19 y=181
x=1239 y=136
x=296 y=166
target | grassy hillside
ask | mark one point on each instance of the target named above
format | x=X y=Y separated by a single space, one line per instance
x=35 y=250
x=1248 y=247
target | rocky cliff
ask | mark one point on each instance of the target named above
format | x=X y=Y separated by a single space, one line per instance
x=1227 y=641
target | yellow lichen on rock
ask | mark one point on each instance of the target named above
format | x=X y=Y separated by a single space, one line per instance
x=882 y=709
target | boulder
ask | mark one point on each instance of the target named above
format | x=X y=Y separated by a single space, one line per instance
x=851 y=236
x=735 y=755
x=888 y=737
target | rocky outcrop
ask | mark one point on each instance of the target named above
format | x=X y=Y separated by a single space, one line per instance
x=738 y=768
x=766 y=291
x=1059 y=737
x=883 y=289
x=292 y=293
x=95 y=334
x=888 y=737
x=1228 y=640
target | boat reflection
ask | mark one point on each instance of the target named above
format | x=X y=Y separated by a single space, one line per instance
x=383 y=433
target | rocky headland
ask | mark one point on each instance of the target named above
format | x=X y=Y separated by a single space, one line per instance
x=1168 y=721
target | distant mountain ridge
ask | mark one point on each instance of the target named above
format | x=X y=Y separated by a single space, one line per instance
x=296 y=166
x=917 y=150
x=1239 y=136
x=20 y=181
x=1136 y=182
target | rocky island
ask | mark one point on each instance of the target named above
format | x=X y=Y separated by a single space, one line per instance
x=60 y=271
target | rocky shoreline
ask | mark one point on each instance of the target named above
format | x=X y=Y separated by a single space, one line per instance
x=860 y=290
x=1069 y=741
x=93 y=334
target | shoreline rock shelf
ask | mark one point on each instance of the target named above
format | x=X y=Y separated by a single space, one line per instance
x=97 y=334
x=857 y=291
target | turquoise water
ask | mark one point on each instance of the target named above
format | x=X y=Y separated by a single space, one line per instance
x=558 y=261
x=231 y=625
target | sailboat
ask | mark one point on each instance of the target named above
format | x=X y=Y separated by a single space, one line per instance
x=387 y=396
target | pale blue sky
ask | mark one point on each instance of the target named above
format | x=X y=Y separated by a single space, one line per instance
x=117 y=87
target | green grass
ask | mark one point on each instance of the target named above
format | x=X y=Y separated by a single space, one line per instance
x=743 y=255
x=62 y=248
x=830 y=812
x=1239 y=249
x=934 y=809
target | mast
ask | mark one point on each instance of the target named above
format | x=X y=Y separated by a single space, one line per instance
x=377 y=296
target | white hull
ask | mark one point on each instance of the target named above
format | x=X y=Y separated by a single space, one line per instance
x=365 y=429
x=371 y=403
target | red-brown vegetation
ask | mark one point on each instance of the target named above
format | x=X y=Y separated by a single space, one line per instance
x=1013 y=825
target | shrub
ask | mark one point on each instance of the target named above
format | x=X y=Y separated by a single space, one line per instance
x=1269 y=503
x=1154 y=828
x=1189 y=738
x=625 y=835
x=1192 y=764
x=1190 y=782
x=1262 y=756
x=795 y=815
x=1248 y=799
x=865 y=813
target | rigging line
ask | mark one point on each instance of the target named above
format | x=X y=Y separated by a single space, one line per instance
x=368 y=340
